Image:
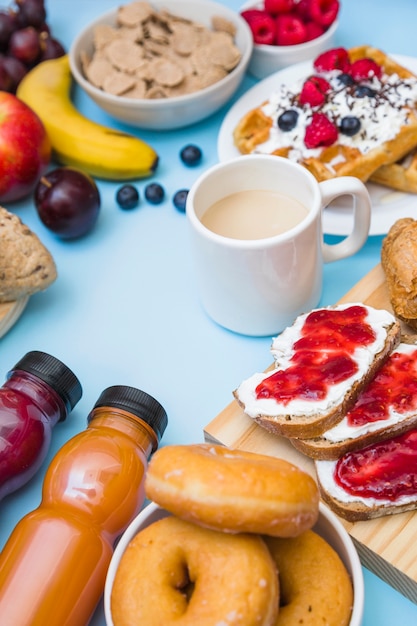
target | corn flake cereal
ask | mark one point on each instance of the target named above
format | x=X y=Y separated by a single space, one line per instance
x=151 y=54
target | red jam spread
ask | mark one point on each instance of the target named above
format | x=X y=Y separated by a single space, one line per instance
x=323 y=356
x=386 y=470
x=395 y=387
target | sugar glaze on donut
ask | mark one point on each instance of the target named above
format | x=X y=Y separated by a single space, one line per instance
x=232 y=490
x=177 y=573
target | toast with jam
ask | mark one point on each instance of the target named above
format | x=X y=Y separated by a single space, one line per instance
x=377 y=480
x=387 y=407
x=321 y=365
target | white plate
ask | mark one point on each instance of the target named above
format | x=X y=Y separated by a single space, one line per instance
x=387 y=205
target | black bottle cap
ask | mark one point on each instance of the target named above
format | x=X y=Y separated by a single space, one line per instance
x=55 y=374
x=137 y=402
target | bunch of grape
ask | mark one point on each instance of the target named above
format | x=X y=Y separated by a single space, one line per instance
x=25 y=41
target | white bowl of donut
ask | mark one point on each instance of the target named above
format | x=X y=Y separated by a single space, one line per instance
x=160 y=548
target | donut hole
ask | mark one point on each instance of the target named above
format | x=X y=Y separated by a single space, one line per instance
x=185 y=585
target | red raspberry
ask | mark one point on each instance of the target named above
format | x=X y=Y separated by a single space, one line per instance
x=274 y=7
x=314 y=91
x=290 y=30
x=335 y=59
x=249 y=14
x=324 y=12
x=313 y=30
x=321 y=132
x=302 y=9
x=263 y=28
x=362 y=69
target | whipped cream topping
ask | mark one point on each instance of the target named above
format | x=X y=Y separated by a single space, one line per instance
x=283 y=349
x=381 y=116
x=325 y=473
x=343 y=431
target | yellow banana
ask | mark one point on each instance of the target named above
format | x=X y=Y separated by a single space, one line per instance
x=76 y=140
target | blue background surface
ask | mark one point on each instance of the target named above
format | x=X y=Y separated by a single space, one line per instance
x=124 y=309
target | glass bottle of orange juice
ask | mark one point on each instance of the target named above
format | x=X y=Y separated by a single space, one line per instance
x=54 y=564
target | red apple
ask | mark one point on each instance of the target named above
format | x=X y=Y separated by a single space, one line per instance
x=25 y=148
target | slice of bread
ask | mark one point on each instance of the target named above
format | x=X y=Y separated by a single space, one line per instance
x=26 y=266
x=391 y=396
x=355 y=508
x=318 y=338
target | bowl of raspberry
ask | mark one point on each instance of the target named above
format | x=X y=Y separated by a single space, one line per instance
x=288 y=31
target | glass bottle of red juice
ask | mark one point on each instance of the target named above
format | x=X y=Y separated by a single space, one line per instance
x=54 y=565
x=39 y=392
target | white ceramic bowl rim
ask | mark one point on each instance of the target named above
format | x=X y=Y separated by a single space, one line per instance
x=150 y=103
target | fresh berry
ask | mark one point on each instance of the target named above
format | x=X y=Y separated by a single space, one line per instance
x=335 y=59
x=290 y=30
x=324 y=12
x=154 y=193
x=302 y=9
x=314 y=91
x=321 y=132
x=363 y=91
x=346 y=80
x=191 y=155
x=363 y=69
x=288 y=120
x=276 y=7
x=249 y=14
x=350 y=125
x=263 y=28
x=314 y=30
x=127 y=197
x=180 y=199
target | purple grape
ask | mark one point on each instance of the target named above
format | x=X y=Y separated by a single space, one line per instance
x=31 y=12
x=50 y=48
x=24 y=45
x=16 y=70
x=7 y=27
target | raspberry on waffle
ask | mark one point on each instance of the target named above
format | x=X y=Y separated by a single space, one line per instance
x=355 y=112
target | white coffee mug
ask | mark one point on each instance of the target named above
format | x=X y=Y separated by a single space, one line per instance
x=258 y=286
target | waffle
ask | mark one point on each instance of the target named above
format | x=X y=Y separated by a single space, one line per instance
x=401 y=175
x=388 y=121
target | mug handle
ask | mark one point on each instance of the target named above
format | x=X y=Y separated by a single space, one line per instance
x=348 y=185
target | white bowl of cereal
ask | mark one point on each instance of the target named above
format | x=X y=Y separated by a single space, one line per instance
x=328 y=527
x=164 y=64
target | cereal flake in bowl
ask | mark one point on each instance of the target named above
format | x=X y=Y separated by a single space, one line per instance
x=164 y=64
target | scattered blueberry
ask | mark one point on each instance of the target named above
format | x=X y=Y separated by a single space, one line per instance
x=350 y=125
x=346 y=79
x=191 y=155
x=288 y=120
x=364 y=90
x=154 y=193
x=180 y=199
x=127 y=197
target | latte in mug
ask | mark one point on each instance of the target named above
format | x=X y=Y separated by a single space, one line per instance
x=253 y=214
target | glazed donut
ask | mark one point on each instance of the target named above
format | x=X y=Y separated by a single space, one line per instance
x=315 y=587
x=174 y=572
x=232 y=490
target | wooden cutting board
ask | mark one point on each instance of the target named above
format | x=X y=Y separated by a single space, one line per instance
x=10 y=313
x=387 y=546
